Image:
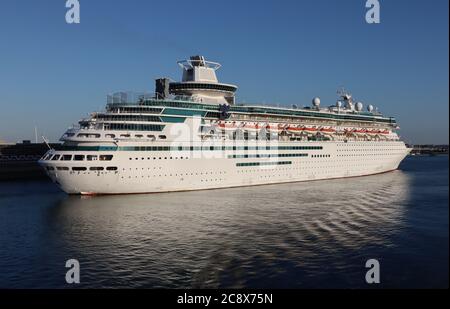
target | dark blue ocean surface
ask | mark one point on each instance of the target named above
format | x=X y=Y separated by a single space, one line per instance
x=301 y=235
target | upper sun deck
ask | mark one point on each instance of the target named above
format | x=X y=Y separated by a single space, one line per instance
x=185 y=105
x=200 y=93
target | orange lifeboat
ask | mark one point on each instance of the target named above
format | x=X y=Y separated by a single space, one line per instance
x=295 y=129
x=251 y=127
x=274 y=128
x=359 y=131
x=327 y=130
x=310 y=129
x=227 y=126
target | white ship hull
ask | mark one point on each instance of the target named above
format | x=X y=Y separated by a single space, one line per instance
x=165 y=171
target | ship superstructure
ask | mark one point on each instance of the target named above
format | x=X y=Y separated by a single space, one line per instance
x=191 y=135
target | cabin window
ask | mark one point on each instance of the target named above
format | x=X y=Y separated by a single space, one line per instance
x=78 y=168
x=111 y=168
x=139 y=135
x=152 y=137
x=62 y=168
x=110 y=135
x=55 y=157
x=106 y=157
x=96 y=168
x=78 y=157
x=90 y=135
x=162 y=137
x=91 y=157
x=190 y=74
x=50 y=168
x=66 y=158
x=124 y=135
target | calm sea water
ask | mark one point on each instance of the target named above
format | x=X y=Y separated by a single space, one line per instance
x=300 y=235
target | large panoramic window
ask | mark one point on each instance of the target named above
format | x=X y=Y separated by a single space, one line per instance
x=66 y=158
x=78 y=157
x=133 y=127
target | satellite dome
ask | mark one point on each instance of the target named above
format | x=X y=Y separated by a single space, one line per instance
x=359 y=106
x=370 y=107
x=339 y=104
x=316 y=102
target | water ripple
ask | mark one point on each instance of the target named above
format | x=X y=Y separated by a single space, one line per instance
x=293 y=235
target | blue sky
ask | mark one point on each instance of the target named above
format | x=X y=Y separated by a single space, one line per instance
x=283 y=52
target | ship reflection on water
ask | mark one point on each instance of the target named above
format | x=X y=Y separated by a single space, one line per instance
x=300 y=235
x=309 y=234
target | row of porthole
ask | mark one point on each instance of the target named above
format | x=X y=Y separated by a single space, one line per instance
x=370 y=154
x=202 y=180
x=142 y=168
x=369 y=149
x=372 y=149
x=161 y=158
x=370 y=144
x=196 y=174
x=367 y=145
x=247 y=171
x=186 y=174
x=324 y=167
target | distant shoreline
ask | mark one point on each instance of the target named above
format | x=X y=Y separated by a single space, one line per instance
x=429 y=149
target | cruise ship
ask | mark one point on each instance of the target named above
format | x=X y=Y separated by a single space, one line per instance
x=193 y=135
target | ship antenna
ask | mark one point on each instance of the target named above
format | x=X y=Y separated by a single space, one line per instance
x=35 y=134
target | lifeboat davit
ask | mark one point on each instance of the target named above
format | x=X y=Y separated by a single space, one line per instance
x=341 y=131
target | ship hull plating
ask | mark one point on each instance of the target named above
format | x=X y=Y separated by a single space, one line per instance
x=151 y=172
